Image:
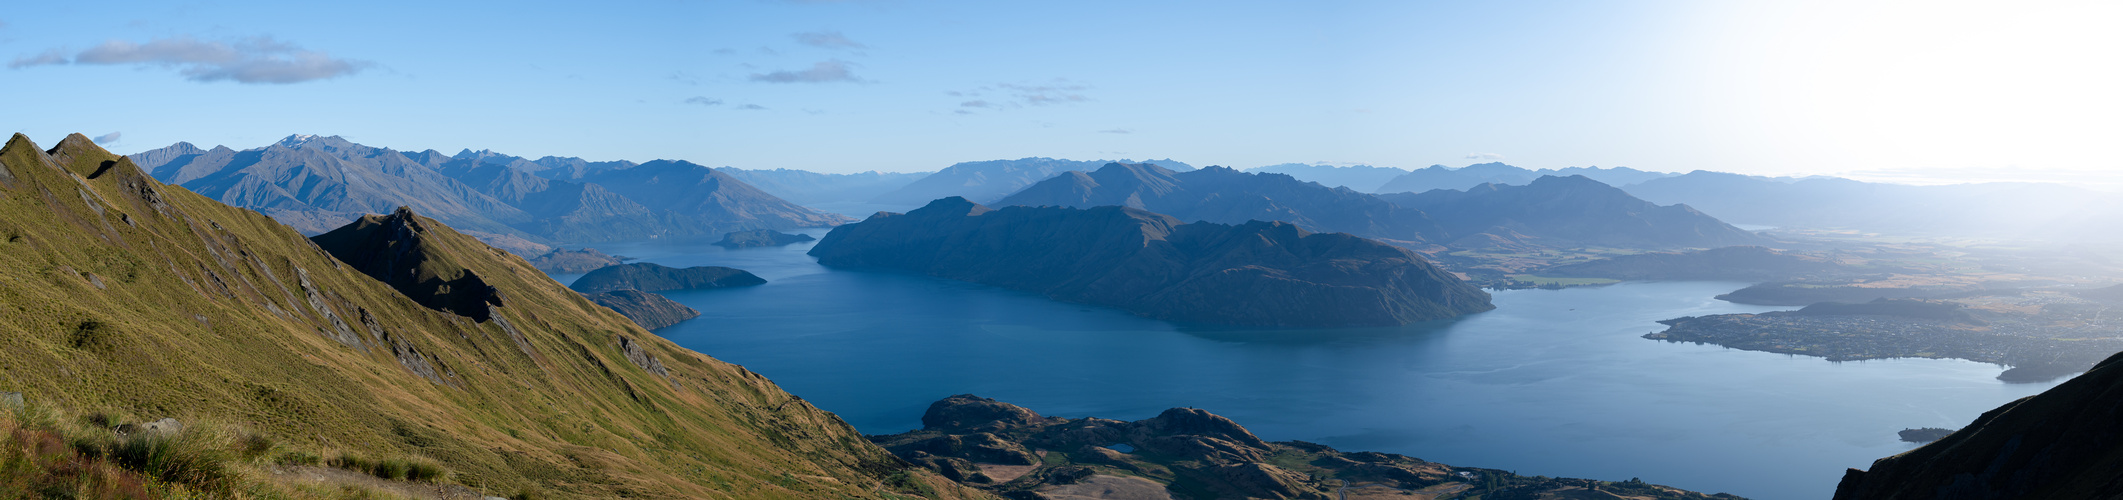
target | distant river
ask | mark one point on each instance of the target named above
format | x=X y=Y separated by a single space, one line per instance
x=1553 y=382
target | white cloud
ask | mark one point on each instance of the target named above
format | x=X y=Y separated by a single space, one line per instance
x=827 y=40
x=823 y=72
x=1484 y=156
x=703 y=100
x=252 y=60
x=107 y=139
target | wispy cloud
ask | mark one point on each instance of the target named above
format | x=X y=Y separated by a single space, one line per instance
x=823 y=72
x=107 y=139
x=1484 y=156
x=251 y=60
x=827 y=40
x=752 y=107
x=703 y=100
x=1116 y=131
x=53 y=56
x=1042 y=95
x=1020 y=95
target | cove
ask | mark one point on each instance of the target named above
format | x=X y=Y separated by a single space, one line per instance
x=1552 y=382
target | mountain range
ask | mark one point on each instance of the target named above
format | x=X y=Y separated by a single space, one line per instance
x=1252 y=274
x=2005 y=210
x=812 y=189
x=1223 y=195
x=317 y=183
x=987 y=181
x=1568 y=211
x=1362 y=178
x=1442 y=177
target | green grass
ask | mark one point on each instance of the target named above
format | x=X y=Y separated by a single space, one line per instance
x=185 y=328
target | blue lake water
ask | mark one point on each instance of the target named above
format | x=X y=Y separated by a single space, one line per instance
x=1553 y=382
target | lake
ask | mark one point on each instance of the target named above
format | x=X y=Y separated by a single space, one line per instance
x=1553 y=382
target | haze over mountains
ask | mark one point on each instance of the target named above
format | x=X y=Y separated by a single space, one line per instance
x=987 y=181
x=1564 y=211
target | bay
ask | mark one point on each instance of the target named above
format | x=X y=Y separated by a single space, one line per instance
x=1553 y=382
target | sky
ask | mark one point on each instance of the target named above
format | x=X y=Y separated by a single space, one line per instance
x=1922 y=92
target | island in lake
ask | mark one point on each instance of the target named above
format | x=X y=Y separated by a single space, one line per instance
x=651 y=278
x=1253 y=274
x=760 y=238
x=2042 y=335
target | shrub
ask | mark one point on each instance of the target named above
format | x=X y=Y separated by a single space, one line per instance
x=422 y=470
x=391 y=469
x=189 y=458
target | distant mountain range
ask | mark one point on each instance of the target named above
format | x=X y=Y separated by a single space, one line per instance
x=987 y=181
x=317 y=183
x=1362 y=178
x=1442 y=177
x=1226 y=196
x=2010 y=210
x=1568 y=211
x=1549 y=211
x=1252 y=274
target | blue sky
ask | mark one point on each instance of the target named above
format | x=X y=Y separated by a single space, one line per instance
x=1918 y=90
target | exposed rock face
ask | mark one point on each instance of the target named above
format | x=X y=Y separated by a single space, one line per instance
x=1740 y=263
x=394 y=250
x=651 y=278
x=1256 y=274
x=562 y=260
x=1196 y=454
x=760 y=238
x=1573 y=211
x=2062 y=443
x=1227 y=196
x=649 y=310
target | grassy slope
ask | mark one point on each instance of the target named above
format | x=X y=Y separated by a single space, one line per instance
x=203 y=317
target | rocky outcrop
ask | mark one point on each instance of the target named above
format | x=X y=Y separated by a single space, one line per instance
x=1197 y=454
x=652 y=278
x=649 y=310
x=394 y=249
x=1254 y=274
x=2062 y=443
x=760 y=238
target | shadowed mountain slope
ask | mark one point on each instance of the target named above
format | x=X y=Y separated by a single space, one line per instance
x=1258 y=273
x=130 y=297
x=2062 y=443
x=1574 y=210
x=1227 y=196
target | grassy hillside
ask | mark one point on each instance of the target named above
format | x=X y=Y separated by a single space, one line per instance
x=128 y=300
